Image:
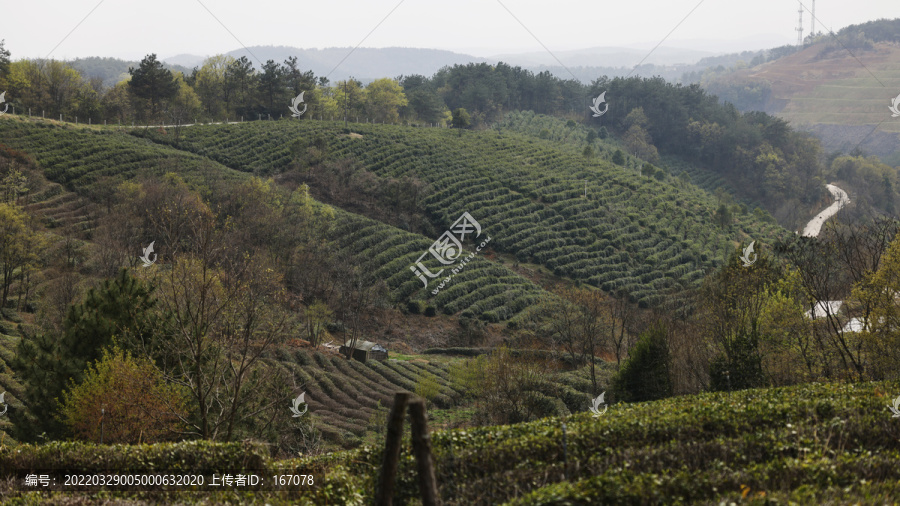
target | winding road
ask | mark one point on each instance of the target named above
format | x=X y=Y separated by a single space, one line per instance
x=840 y=200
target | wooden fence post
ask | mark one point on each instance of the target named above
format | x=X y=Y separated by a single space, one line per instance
x=421 y=441
x=384 y=496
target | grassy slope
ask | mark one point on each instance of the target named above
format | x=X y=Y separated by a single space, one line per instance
x=649 y=237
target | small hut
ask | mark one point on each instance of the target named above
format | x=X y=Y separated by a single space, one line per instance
x=365 y=350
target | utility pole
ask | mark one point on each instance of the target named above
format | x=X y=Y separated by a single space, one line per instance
x=800 y=26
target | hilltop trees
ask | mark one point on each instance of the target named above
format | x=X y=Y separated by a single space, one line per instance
x=4 y=64
x=351 y=98
x=461 y=118
x=45 y=85
x=423 y=101
x=273 y=92
x=184 y=106
x=384 y=98
x=637 y=139
x=242 y=76
x=151 y=81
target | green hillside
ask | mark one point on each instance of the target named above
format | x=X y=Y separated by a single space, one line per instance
x=645 y=236
x=648 y=236
x=841 y=95
x=80 y=159
x=577 y=138
x=813 y=444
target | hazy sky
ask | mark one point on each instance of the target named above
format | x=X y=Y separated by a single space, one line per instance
x=131 y=29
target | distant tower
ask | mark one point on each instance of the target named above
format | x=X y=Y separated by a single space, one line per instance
x=800 y=26
x=812 y=31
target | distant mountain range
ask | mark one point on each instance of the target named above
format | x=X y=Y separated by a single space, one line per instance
x=339 y=63
x=367 y=64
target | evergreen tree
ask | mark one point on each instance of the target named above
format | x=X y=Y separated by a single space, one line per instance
x=645 y=374
x=152 y=81
x=424 y=102
x=119 y=310
x=272 y=87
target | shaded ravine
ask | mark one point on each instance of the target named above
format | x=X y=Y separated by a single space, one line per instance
x=841 y=199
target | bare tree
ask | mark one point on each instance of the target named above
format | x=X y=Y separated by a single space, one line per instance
x=225 y=313
x=621 y=313
x=358 y=293
x=830 y=266
x=579 y=322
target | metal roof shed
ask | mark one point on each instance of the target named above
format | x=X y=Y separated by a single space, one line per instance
x=365 y=350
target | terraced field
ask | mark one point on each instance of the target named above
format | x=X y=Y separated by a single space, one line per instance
x=841 y=96
x=77 y=158
x=63 y=213
x=575 y=136
x=345 y=396
x=650 y=238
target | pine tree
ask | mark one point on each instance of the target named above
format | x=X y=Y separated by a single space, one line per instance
x=119 y=311
x=153 y=82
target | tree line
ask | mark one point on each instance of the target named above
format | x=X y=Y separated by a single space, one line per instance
x=756 y=152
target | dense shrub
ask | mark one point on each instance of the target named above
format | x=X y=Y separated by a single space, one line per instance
x=645 y=374
x=416 y=307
